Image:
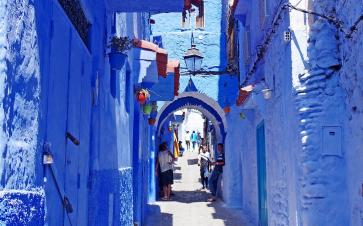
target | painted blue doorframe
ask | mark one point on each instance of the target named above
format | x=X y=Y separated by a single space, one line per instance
x=261 y=173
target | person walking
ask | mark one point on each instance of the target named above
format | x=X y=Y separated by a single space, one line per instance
x=165 y=162
x=181 y=148
x=187 y=140
x=194 y=139
x=217 y=171
x=199 y=139
x=204 y=164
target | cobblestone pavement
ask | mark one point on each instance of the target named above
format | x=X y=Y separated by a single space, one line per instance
x=189 y=206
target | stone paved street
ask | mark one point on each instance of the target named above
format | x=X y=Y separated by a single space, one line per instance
x=189 y=206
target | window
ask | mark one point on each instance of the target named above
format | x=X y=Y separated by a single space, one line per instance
x=191 y=7
x=247 y=46
x=264 y=11
x=199 y=19
x=78 y=18
x=185 y=21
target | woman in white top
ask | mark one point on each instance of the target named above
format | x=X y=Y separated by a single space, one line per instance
x=204 y=164
x=165 y=162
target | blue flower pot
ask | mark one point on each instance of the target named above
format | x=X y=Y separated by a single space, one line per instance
x=117 y=60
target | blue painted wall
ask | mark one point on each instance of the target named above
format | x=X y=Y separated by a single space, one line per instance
x=210 y=40
x=50 y=84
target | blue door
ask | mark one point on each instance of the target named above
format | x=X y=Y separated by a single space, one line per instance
x=68 y=116
x=261 y=173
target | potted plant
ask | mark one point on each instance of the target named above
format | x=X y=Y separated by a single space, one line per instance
x=119 y=47
x=152 y=121
x=147 y=109
x=227 y=109
x=142 y=96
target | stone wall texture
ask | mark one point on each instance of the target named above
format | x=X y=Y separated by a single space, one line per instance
x=22 y=207
x=318 y=101
x=351 y=54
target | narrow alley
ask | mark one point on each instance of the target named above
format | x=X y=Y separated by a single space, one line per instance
x=189 y=205
x=99 y=98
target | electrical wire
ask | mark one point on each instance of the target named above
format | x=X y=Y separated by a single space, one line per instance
x=262 y=48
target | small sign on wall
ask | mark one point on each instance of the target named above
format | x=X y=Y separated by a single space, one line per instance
x=332 y=140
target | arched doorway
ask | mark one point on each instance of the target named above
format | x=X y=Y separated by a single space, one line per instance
x=198 y=101
x=188 y=100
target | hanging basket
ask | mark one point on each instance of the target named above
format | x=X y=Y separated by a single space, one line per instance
x=117 y=60
x=152 y=121
x=142 y=96
x=147 y=109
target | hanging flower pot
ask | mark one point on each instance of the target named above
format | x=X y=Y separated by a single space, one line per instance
x=119 y=47
x=152 y=121
x=117 y=60
x=147 y=109
x=155 y=107
x=153 y=114
x=227 y=110
x=142 y=95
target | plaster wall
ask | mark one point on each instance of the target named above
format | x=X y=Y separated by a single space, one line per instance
x=303 y=178
x=52 y=84
x=20 y=118
x=351 y=82
x=210 y=40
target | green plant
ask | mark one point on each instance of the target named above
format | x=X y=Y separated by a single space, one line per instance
x=121 y=44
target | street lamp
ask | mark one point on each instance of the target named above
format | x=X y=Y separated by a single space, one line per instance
x=193 y=58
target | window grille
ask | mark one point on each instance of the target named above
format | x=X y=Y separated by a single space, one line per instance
x=76 y=15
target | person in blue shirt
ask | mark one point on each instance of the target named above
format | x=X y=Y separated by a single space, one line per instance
x=194 y=139
x=217 y=171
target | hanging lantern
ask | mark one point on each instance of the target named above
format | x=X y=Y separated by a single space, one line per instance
x=142 y=96
x=147 y=109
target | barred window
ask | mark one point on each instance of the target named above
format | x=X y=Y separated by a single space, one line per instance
x=76 y=15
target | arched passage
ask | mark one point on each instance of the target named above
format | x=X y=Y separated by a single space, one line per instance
x=191 y=100
x=198 y=101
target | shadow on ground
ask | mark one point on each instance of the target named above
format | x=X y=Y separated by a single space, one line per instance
x=192 y=161
x=162 y=219
x=190 y=196
x=223 y=213
x=177 y=176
